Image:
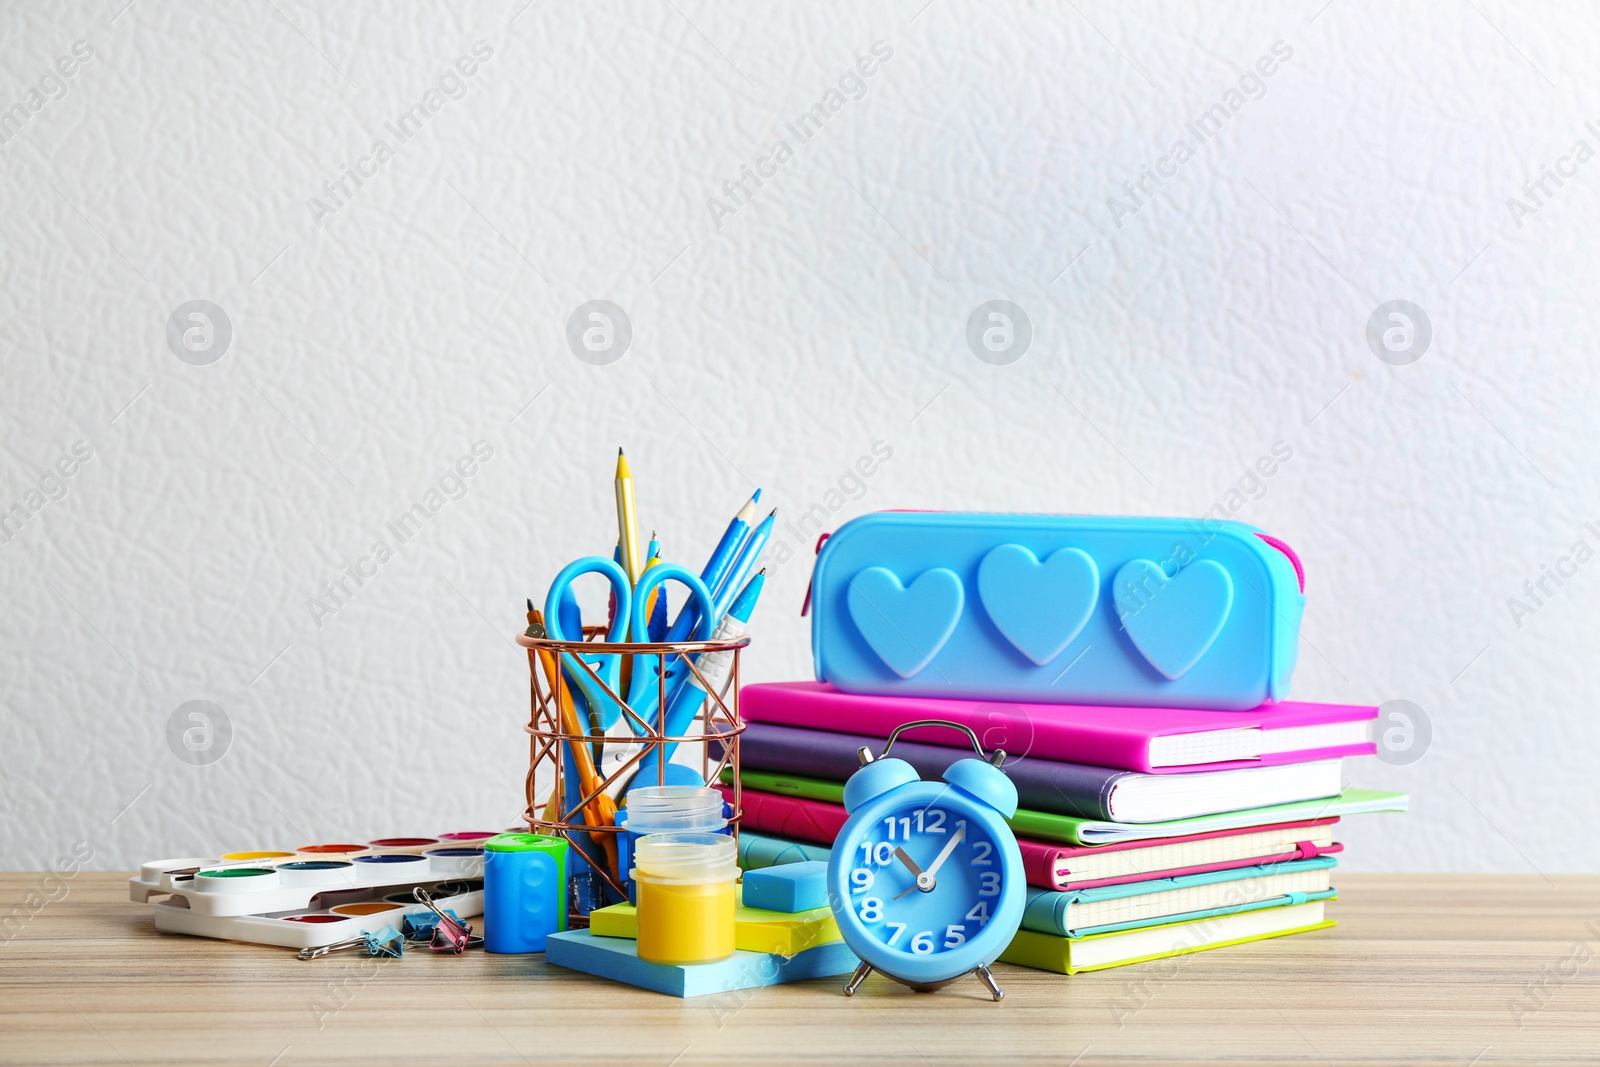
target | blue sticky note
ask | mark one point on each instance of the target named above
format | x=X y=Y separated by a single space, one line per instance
x=790 y=888
x=615 y=958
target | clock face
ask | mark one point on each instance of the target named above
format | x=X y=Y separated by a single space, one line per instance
x=924 y=879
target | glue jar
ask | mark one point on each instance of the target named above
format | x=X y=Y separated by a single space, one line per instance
x=668 y=809
x=686 y=897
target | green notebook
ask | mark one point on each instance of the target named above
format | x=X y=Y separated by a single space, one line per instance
x=1044 y=826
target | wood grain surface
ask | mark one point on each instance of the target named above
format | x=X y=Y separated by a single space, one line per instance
x=1422 y=969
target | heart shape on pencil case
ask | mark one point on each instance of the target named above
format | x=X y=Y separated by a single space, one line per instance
x=1040 y=607
x=906 y=625
x=1173 y=621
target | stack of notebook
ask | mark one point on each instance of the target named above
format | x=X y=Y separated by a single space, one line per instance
x=1145 y=832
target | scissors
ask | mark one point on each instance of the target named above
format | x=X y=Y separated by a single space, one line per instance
x=631 y=605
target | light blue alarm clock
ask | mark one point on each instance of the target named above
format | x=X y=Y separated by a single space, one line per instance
x=925 y=879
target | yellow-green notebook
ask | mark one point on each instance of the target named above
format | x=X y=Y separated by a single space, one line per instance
x=1069 y=955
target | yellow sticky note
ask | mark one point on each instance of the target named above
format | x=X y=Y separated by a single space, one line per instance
x=754 y=929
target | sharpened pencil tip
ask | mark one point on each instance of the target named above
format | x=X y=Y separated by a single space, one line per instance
x=530 y=603
x=771 y=513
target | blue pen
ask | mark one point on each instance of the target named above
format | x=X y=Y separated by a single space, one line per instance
x=722 y=558
x=684 y=705
x=677 y=671
x=749 y=554
x=727 y=550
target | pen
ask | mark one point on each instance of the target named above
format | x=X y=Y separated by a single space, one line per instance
x=722 y=557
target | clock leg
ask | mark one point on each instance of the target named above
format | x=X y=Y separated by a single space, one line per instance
x=988 y=980
x=856 y=979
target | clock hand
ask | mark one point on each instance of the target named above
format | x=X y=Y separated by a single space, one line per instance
x=912 y=865
x=925 y=879
x=944 y=853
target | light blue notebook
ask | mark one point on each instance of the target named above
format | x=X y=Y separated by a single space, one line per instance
x=615 y=958
x=1108 y=908
x=764 y=850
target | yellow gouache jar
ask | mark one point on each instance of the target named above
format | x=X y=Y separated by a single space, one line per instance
x=685 y=896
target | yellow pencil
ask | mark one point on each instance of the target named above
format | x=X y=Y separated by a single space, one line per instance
x=627 y=521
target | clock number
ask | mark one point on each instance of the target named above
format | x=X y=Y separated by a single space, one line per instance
x=922 y=944
x=933 y=826
x=871 y=909
x=979 y=913
x=905 y=826
x=980 y=853
x=883 y=854
x=898 y=928
x=861 y=880
x=954 y=936
x=989 y=884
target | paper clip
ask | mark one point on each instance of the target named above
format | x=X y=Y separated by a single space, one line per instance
x=449 y=934
x=386 y=942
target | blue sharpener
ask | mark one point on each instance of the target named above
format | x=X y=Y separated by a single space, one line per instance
x=524 y=891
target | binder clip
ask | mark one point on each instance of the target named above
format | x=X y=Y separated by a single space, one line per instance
x=420 y=925
x=450 y=934
x=386 y=942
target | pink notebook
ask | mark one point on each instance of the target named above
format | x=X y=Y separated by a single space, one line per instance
x=1152 y=740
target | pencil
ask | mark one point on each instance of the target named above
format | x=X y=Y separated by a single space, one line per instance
x=602 y=810
x=627 y=521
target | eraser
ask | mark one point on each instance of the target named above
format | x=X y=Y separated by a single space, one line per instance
x=792 y=887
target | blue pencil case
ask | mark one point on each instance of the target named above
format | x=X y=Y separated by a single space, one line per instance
x=1061 y=609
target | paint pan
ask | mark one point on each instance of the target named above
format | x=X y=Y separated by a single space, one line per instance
x=403 y=844
x=236 y=879
x=366 y=908
x=337 y=850
x=321 y=872
x=456 y=862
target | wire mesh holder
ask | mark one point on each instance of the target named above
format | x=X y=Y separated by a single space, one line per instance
x=580 y=818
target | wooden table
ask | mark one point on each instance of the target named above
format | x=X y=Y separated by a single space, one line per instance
x=1431 y=969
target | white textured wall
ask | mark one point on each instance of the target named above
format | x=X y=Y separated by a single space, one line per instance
x=1172 y=346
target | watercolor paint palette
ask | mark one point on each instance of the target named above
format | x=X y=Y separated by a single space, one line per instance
x=330 y=918
x=315 y=894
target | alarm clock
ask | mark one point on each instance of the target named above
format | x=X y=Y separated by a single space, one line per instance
x=925 y=879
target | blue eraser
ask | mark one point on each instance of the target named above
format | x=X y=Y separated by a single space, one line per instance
x=790 y=888
x=615 y=958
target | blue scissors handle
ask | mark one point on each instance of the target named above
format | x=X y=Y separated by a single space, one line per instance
x=645 y=669
x=607 y=667
x=575 y=570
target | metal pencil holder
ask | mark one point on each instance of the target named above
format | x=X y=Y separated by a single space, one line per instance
x=718 y=727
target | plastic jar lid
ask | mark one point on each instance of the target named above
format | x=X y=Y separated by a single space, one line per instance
x=656 y=809
x=686 y=858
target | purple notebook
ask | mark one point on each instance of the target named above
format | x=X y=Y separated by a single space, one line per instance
x=1076 y=789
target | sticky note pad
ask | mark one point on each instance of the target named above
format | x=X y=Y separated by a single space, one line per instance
x=754 y=930
x=615 y=958
x=791 y=887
